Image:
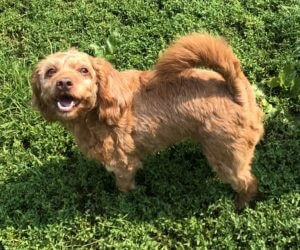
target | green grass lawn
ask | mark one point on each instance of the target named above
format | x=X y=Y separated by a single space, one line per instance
x=52 y=197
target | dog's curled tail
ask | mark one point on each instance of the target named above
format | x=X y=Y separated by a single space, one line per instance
x=203 y=50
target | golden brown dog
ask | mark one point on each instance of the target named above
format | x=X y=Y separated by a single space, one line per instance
x=118 y=117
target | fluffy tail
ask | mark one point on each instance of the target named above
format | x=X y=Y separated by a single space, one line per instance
x=202 y=50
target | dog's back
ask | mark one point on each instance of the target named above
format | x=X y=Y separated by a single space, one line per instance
x=176 y=93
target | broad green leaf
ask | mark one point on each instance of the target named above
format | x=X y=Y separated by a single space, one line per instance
x=295 y=89
x=286 y=76
x=274 y=82
x=110 y=47
x=114 y=38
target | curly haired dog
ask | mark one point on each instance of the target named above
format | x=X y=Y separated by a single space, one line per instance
x=118 y=117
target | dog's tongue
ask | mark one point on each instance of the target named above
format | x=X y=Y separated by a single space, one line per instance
x=65 y=103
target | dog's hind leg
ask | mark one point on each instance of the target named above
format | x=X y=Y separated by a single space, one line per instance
x=232 y=163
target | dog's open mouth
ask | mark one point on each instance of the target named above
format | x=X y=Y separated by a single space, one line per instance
x=67 y=103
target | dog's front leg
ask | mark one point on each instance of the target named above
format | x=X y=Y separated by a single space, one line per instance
x=125 y=175
x=125 y=179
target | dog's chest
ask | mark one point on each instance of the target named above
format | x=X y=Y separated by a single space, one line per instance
x=107 y=147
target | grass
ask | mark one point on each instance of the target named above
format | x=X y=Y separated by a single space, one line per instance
x=52 y=197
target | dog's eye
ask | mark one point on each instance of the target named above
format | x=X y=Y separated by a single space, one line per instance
x=83 y=70
x=50 y=72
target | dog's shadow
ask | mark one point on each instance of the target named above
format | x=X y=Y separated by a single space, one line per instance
x=174 y=183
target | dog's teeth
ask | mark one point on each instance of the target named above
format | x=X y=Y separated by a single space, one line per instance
x=65 y=106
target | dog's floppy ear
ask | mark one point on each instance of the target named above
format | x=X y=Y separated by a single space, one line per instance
x=36 y=100
x=114 y=97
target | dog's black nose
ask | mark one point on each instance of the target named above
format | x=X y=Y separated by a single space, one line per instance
x=64 y=84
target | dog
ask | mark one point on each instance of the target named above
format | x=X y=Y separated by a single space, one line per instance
x=196 y=90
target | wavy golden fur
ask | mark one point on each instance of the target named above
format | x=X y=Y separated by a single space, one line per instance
x=118 y=117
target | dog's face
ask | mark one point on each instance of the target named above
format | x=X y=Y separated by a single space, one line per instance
x=65 y=85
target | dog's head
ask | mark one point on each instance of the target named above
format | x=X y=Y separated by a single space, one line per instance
x=67 y=85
